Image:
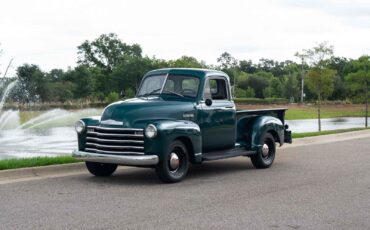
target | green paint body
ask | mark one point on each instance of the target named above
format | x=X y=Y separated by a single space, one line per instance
x=203 y=128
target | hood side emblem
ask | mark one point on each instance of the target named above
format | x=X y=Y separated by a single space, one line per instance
x=111 y=122
x=188 y=116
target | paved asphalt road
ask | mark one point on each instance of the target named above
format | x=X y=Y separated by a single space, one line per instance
x=322 y=186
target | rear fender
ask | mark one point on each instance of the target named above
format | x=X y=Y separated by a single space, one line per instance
x=258 y=126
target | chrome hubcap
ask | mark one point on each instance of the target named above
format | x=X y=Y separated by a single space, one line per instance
x=174 y=161
x=265 y=150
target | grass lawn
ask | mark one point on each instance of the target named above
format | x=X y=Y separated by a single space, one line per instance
x=35 y=161
x=297 y=112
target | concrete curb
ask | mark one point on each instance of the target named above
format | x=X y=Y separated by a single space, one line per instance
x=52 y=171
x=41 y=172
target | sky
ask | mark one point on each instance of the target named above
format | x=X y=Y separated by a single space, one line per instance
x=47 y=32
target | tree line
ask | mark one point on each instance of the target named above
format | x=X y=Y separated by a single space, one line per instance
x=107 y=66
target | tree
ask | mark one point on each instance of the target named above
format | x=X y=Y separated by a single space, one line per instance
x=229 y=65
x=55 y=75
x=106 y=51
x=320 y=77
x=343 y=66
x=32 y=84
x=227 y=61
x=290 y=87
x=259 y=82
x=276 y=68
x=187 y=62
x=128 y=73
x=247 y=66
x=360 y=81
x=276 y=88
x=339 y=89
x=82 y=78
x=61 y=91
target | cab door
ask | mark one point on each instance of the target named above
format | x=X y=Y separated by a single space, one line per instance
x=218 y=120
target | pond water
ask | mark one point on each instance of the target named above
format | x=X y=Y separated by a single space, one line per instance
x=50 y=133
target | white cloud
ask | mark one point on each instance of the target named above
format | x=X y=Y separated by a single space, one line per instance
x=47 y=32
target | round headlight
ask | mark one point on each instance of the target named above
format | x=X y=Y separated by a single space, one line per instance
x=80 y=126
x=150 y=131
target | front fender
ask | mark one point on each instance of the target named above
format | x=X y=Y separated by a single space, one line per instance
x=89 y=121
x=170 y=130
x=264 y=124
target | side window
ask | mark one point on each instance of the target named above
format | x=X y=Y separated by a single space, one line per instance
x=216 y=89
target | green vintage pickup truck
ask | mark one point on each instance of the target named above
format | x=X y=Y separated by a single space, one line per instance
x=179 y=116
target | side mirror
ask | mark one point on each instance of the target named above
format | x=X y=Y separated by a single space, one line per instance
x=122 y=94
x=208 y=102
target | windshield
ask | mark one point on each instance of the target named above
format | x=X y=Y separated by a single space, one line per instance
x=176 y=85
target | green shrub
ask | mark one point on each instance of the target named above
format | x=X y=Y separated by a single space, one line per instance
x=250 y=93
x=240 y=93
x=112 y=97
x=129 y=93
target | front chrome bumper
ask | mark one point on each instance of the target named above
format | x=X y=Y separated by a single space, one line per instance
x=142 y=160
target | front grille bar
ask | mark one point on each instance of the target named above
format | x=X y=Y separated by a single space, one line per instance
x=115 y=146
x=113 y=152
x=99 y=140
x=114 y=129
x=114 y=135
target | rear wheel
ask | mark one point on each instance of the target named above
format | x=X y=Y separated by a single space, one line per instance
x=100 y=169
x=175 y=164
x=266 y=155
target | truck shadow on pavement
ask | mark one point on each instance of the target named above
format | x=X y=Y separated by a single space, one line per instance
x=147 y=176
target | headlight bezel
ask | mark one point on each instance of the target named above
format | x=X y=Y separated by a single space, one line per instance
x=151 y=131
x=80 y=124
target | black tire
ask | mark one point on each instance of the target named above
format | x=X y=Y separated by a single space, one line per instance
x=262 y=159
x=100 y=169
x=172 y=175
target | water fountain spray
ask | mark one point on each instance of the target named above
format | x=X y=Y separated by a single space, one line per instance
x=6 y=93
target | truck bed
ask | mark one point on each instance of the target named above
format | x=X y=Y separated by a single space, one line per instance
x=275 y=112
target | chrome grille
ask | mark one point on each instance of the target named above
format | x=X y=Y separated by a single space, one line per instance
x=122 y=141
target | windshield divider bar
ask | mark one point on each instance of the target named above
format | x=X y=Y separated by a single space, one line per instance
x=165 y=80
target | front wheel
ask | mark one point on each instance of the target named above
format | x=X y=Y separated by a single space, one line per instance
x=266 y=155
x=175 y=164
x=100 y=169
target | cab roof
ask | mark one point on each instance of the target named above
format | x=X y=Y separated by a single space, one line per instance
x=201 y=73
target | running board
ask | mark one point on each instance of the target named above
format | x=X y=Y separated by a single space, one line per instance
x=218 y=155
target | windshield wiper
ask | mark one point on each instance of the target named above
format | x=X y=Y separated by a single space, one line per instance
x=147 y=94
x=174 y=93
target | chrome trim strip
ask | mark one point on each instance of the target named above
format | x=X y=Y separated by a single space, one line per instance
x=114 y=152
x=144 y=160
x=114 y=129
x=114 y=134
x=115 y=146
x=114 y=141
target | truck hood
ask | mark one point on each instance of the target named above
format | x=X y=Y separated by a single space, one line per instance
x=138 y=112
